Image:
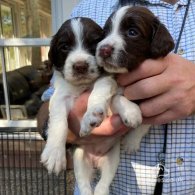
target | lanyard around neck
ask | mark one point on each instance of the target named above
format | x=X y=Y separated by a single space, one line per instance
x=182 y=27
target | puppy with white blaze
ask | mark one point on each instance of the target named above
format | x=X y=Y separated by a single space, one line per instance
x=132 y=35
x=72 y=53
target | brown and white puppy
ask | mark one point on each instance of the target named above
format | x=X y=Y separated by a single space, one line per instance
x=72 y=53
x=133 y=34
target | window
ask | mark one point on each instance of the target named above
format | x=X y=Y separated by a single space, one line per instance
x=25 y=19
x=25 y=31
x=7 y=22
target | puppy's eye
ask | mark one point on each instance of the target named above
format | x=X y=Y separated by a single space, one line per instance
x=65 y=48
x=132 y=32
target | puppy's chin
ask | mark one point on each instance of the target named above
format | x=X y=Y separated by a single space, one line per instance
x=82 y=80
x=114 y=69
x=111 y=67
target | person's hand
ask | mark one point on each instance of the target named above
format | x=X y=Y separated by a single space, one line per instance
x=166 y=88
x=109 y=126
x=107 y=133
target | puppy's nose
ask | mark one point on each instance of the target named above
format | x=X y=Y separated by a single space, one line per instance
x=105 y=51
x=80 y=67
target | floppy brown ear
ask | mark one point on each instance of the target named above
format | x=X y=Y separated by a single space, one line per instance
x=52 y=51
x=162 y=42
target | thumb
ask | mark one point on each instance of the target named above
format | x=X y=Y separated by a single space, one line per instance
x=110 y=126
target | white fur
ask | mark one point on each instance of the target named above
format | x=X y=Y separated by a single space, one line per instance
x=67 y=88
x=129 y=112
x=53 y=156
x=131 y=141
x=98 y=103
x=83 y=169
x=77 y=29
x=108 y=163
x=79 y=53
x=115 y=40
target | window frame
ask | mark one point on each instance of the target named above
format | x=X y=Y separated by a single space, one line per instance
x=17 y=42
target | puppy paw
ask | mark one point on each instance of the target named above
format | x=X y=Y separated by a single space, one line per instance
x=101 y=190
x=92 y=118
x=131 y=144
x=86 y=191
x=54 y=158
x=131 y=117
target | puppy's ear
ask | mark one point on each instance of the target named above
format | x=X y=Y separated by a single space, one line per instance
x=162 y=42
x=52 y=51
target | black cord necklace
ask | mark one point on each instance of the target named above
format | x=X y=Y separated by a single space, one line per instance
x=159 y=183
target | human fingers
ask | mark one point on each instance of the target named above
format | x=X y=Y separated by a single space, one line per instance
x=147 y=88
x=171 y=106
x=162 y=118
x=108 y=127
x=147 y=69
x=93 y=139
x=156 y=105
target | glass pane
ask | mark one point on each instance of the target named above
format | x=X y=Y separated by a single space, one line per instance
x=26 y=19
x=6 y=22
x=17 y=57
x=23 y=24
x=26 y=81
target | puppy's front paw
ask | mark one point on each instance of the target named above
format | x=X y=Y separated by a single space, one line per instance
x=101 y=190
x=54 y=158
x=86 y=191
x=130 y=143
x=92 y=118
x=131 y=117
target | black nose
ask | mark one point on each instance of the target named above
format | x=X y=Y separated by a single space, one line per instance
x=80 y=67
x=106 y=51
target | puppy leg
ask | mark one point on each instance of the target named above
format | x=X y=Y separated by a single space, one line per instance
x=108 y=165
x=53 y=155
x=131 y=141
x=98 y=103
x=83 y=172
x=129 y=112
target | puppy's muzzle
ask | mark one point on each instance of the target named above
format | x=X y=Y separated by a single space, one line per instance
x=106 y=51
x=80 y=67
